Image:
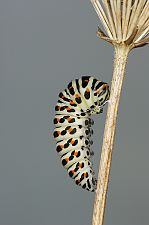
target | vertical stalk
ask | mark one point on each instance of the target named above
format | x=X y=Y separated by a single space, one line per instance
x=120 y=59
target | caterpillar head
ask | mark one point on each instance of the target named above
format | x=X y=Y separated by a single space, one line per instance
x=101 y=96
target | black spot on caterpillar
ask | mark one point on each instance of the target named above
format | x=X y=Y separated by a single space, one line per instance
x=82 y=98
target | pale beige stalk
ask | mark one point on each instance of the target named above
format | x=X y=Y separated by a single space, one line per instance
x=121 y=53
x=126 y=23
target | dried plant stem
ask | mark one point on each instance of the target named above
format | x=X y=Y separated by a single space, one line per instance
x=126 y=23
x=121 y=54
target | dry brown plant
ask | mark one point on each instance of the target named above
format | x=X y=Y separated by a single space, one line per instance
x=126 y=25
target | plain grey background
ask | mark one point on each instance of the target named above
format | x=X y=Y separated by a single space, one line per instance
x=43 y=45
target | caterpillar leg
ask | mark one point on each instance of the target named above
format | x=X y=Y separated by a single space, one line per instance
x=92 y=153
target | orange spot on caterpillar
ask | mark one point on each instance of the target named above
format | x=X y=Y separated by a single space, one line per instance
x=85 y=174
x=80 y=165
x=75 y=153
x=68 y=108
x=70 y=129
x=77 y=96
x=71 y=103
x=98 y=91
x=61 y=146
x=87 y=90
x=69 y=119
x=72 y=141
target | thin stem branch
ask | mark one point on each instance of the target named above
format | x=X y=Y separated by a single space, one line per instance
x=121 y=54
x=100 y=12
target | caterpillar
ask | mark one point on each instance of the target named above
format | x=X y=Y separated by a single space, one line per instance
x=82 y=98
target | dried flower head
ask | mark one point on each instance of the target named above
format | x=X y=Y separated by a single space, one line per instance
x=125 y=21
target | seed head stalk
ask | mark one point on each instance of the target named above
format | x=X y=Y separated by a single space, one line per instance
x=121 y=53
x=126 y=23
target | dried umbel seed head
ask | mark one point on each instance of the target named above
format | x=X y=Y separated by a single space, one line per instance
x=125 y=21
